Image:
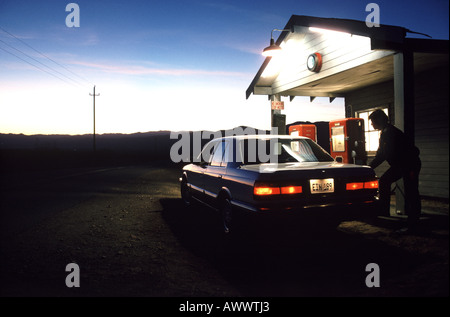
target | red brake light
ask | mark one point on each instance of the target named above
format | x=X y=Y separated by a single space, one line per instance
x=264 y=190
x=354 y=186
x=371 y=185
x=365 y=185
x=291 y=190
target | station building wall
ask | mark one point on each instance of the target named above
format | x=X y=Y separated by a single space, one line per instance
x=431 y=124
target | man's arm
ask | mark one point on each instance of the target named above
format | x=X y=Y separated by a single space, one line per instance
x=379 y=158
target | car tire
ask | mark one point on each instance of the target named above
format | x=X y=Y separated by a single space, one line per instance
x=185 y=193
x=226 y=213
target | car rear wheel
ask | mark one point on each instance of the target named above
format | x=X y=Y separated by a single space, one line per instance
x=226 y=212
x=185 y=193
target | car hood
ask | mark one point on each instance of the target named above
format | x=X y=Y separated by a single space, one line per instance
x=280 y=167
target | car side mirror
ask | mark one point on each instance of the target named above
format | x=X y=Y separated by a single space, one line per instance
x=339 y=159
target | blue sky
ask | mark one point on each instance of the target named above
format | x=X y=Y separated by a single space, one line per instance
x=160 y=65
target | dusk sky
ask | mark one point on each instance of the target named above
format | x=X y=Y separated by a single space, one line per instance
x=161 y=65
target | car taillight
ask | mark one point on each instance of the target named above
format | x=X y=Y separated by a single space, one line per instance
x=354 y=186
x=361 y=185
x=371 y=185
x=269 y=190
x=291 y=190
x=264 y=191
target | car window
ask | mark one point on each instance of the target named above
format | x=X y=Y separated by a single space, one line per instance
x=218 y=154
x=282 y=151
x=228 y=155
x=301 y=151
x=207 y=152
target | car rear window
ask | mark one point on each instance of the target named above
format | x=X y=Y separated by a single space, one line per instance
x=257 y=151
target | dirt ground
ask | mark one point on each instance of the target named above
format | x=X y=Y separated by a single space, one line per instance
x=120 y=242
x=136 y=240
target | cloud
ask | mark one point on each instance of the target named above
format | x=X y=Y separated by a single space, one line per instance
x=145 y=70
x=90 y=40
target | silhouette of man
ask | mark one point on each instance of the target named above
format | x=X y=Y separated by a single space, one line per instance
x=404 y=161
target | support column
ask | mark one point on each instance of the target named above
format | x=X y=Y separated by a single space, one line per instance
x=278 y=119
x=403 y=109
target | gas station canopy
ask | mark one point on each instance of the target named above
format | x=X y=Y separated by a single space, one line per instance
x=372 y=68
x=352 y=55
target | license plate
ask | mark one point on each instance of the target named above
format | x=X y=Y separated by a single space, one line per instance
x=320 y=186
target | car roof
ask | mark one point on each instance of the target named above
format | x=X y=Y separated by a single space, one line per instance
x=261 y=137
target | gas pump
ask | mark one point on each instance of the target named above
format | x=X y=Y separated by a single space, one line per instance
x=308 y=130
x=347 y=141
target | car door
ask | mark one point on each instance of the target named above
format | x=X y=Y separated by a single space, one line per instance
x=196 y=176
x=212 y=177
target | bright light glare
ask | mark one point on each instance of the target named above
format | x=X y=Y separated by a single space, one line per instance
x=285 y=60
x=329 y=32
x=340 y=39
x=272 y=52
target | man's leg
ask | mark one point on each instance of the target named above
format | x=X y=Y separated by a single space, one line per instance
x=385 y=182
x=412 y=200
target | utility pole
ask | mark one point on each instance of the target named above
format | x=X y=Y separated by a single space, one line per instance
x=94 y=95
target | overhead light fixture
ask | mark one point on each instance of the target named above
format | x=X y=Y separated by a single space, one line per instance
x=273 y=49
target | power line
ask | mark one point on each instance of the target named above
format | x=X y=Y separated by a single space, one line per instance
x=38 y=62
x=45 y=56
x=1 y=48
x=42 y=54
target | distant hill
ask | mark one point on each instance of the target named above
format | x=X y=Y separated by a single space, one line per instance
x=153 y=141
x=33 y=152
x=135 y=141
x=140 y=142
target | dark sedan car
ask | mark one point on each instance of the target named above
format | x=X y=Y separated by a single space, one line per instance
x=274 y=174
